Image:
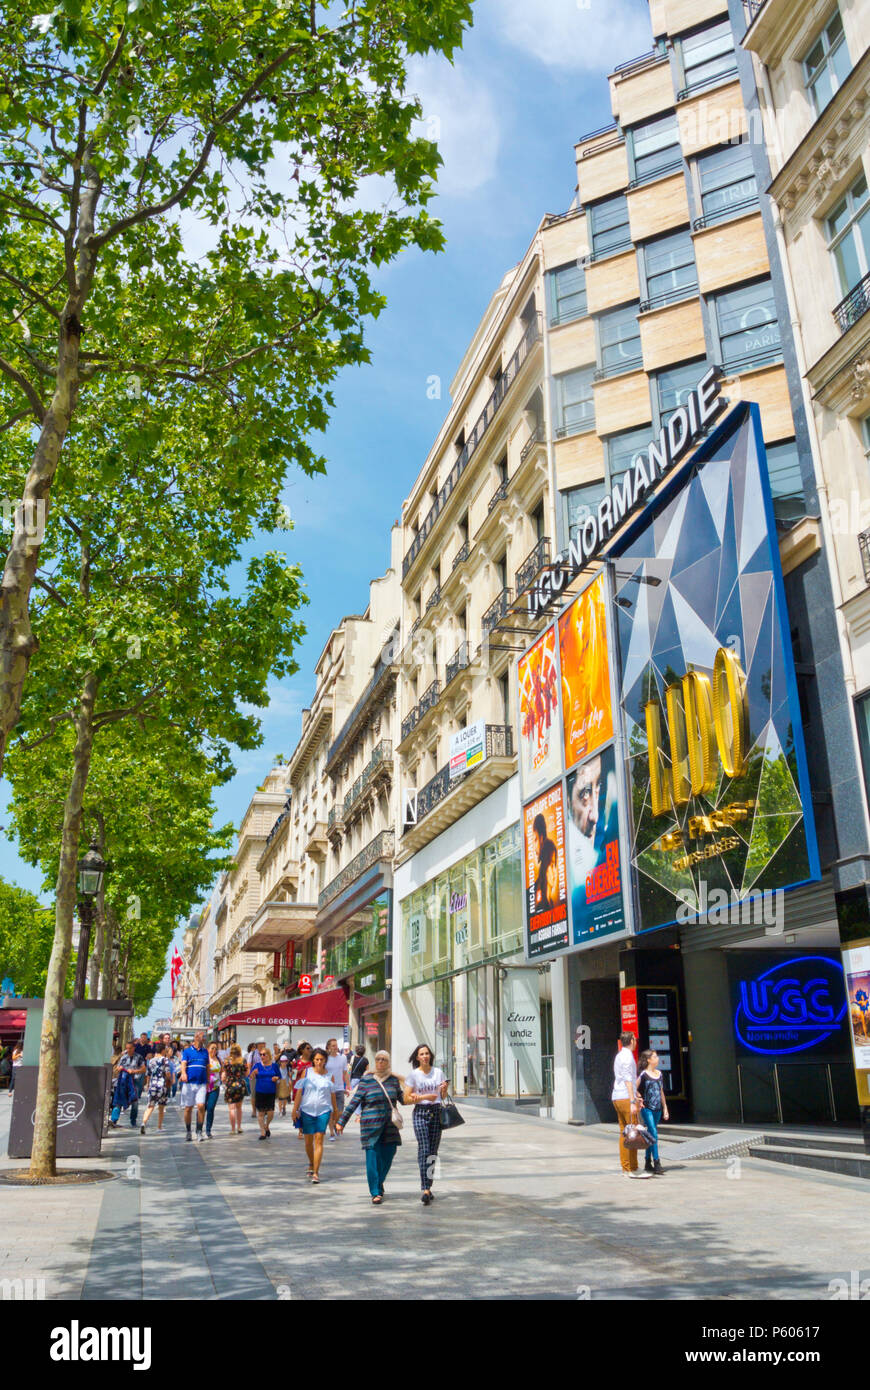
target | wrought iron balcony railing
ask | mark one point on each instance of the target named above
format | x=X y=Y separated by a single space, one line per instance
x=532 y=565
x=499 y=495
x=531 y=336
x=410 y=722
x=496 y=611
x=458 y=662
x=381 y=847
x=864 y=547
x=461 y=555
x=429 y=698
x=434 y=597
x=537 y=436
x=855 y=304
x=499 y=744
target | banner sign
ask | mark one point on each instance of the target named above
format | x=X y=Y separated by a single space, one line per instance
x=538 y=692
x=719 y=790
x=467 y=748
x=586 y=696
x=594 y=864
x=856 y=968
x=546 y=876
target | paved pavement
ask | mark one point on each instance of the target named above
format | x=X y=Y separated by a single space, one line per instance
x=525 y=1209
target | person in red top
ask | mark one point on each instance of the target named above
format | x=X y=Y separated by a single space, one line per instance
x=301 y=1065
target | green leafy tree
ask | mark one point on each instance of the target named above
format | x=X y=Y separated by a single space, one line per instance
x=130 y=128
x=26 y=934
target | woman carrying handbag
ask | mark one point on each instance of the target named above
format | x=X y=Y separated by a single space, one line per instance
x=425 y=1088
x=377 y=1097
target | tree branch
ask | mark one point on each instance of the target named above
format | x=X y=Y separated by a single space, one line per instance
x=29 y=390
x=50 y=589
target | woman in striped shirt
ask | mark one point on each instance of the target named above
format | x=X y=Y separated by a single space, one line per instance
x=376 y=1098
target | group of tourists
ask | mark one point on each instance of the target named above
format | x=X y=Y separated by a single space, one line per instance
x=325 y=1088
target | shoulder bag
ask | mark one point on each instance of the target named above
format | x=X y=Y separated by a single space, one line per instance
x=395 y=1117
x=450 y=1116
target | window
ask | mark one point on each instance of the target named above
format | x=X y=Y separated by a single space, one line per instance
x=574 y=408
x=865 y=436
x=674 y=386
x=748 y=328
x=708 y=57
x=862 y=712
x=848 y=229
x=619 y=341
x=655 y=148
x=786 y=483
x=610 y=230
x=669 y=264
x=727 y=181
x=827 y=65
x=581 y=502
x=567 y=292
x=621 y=451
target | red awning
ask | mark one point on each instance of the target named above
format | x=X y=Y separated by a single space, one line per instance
x=12 y=1021
x=329 y=1009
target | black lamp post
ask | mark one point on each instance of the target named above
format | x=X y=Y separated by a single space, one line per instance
x=91 y=871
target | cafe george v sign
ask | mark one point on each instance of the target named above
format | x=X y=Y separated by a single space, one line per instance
x=715 y=757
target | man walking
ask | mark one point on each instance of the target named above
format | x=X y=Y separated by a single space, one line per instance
x=194 y=1078
x=336 y=1067
x=128 y=1070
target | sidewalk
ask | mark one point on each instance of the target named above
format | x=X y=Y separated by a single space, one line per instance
x=524 y=1209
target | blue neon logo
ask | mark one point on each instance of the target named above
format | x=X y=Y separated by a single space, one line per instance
x=786 y=1005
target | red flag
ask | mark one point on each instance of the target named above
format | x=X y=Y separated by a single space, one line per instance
x=175 y=970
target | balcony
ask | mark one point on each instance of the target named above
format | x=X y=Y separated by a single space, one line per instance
x=537 y=436
x=724 y=214
x=496 y=612
x=381 y=847
x=451 y=798
x=864 y=547
x=753 y=8
x=531 y=567
x=379 y=765
x=316 y=843
x=429 y=698
x=274 y=924
x=499 y=495
x=628 y=364
x=530 y=337
x=335 y=819
x=674 y=296
x=458 y=662
x=434 y=597
x=673 y=166
x=854 y=306
x=384 y=672
x=718 y=79
x=461 y=555
x=410 y=722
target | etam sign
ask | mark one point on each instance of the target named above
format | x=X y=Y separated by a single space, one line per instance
x=687 y=424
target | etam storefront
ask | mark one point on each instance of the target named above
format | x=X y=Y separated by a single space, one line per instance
x=669 y=851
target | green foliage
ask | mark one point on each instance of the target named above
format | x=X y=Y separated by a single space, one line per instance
x=26 y=934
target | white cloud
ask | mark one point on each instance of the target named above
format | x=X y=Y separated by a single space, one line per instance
x=460 y=115
x=572 y=36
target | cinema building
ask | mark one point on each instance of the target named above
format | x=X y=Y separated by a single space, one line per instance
x=666 y=272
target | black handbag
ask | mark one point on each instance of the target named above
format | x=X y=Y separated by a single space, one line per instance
x=450 y=1116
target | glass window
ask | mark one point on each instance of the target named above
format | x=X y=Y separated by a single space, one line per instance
x=655 y=147
x=610 y=229
x=619 y=340
x=748 y=328
x=622 y=449
x=862 y=712
x=727 y=181
x=574 y=406
x=670 y=268
x=849 y=235
x=708 y=56
x=786 y=483
x=581 y=502
x=674 y=385
x=827 y=64
x=567 y=287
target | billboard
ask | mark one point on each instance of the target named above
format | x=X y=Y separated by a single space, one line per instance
x=593 y=850
x=540 y=725
x=586 y=698
x=718 y=789
x=467 y=748
x=545 y=873
x=856 y=968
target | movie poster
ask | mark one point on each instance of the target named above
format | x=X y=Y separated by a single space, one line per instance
x=856 y=967
x=586 y=705
x=594 y=870
x=538 y=686
x=546 y=874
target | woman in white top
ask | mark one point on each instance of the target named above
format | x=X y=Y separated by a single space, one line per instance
x=624 y=1097
x=315 y=1098
x=425 y=1088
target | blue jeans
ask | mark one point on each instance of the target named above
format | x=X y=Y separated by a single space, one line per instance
x=652 y=1119
x=378 y=1163
x=211 y=1101
x=134 y=1111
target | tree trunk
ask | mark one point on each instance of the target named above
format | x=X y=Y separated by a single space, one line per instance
x=44 y=1152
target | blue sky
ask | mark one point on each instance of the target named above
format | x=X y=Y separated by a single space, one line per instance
x=530 y=80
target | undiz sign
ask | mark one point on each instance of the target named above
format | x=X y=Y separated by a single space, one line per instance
x=708 y=728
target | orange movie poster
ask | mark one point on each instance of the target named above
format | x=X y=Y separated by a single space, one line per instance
x=538 y=683
x=586 y=708
x=546 y=872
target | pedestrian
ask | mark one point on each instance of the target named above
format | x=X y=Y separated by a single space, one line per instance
x=212 y=1088
x=253 y=1057
x=425 y=1088
x=284 y=1088
x=300 y=1067
x=145 y=1050
x=17 y=1059
x=235 y=1086
x=359 y=1066
x=624 y=1097
x=194 y=1083
x=336 y=1066
x=159 y=1073
x=264 y=1081
x=376 y=1097
x=128 y=1069
x=653 y=1107
x=315 y=1106
x=6 y=1065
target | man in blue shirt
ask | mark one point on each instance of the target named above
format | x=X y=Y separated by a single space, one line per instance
x=194 y=1077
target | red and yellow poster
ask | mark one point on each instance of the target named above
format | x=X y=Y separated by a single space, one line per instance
x=546 y=873
x=538 y=683
x=586 y=708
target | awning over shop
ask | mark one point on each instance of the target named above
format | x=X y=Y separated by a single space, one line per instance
x=329 y=1009
x=12 y=1022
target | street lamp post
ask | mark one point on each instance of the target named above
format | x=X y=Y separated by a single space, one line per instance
x=90 y=878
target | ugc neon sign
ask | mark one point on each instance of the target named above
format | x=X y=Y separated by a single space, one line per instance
x=787 y=1009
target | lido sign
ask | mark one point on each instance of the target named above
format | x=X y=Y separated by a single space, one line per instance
x=676 y=439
